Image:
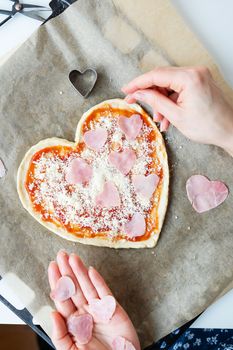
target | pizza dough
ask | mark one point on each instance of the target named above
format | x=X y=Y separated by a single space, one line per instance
x=108 y=188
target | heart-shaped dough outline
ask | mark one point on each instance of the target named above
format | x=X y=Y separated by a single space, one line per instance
x=54 y=141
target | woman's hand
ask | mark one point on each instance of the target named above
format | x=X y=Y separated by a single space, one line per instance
x=189 y=99
x=89 y=284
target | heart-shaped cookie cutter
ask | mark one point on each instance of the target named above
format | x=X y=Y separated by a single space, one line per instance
x=83 y=81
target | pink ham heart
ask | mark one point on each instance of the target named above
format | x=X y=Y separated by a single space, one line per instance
x=78 y=172
x=145 y=185
x=81 y=327
x=95 y=139
x=123 y=161
x=64 y=289
x=136 y=226
x=102 y=309
x=205 y=194
x=131 y=126
x=109 y=197
x=120 y=343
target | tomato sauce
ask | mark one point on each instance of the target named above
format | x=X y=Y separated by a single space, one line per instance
x=64 y=152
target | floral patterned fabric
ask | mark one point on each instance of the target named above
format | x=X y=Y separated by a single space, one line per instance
x=186 y=338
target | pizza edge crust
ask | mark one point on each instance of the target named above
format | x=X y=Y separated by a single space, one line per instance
x=25 y=199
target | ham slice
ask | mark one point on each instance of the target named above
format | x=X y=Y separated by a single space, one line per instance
x=81 y=327
x=131 y=126
x=123 y=161
x=2 y=169
x=205 y=194
x=109 y=197
x=78 y=172
x=120 y=343
x=129 y=346
x=95 y=139
x=64 y=289
x=102 y=309
x=145 y=185
x=136 y=226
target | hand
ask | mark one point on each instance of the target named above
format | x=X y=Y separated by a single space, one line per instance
x=189 y=99
x=89 y=284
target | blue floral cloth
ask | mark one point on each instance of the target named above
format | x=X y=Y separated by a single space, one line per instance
x=196 y=339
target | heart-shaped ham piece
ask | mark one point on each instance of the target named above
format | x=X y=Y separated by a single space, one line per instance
x=123 y=161
x=81 y=327
x=120 y=343
x=95 y=139
x=64 y=289
x=102 y=309
x=136 y=226
x=205 y=194
x=145 y=185
x=78 y=172
x=109 y=197
x=131 y=126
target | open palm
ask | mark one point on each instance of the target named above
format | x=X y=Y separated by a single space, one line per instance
x=89 y=284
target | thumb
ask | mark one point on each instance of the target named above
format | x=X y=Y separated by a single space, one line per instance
x=60 y=335
x=159 y=103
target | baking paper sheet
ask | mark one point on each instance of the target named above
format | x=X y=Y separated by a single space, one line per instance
x=160 y=288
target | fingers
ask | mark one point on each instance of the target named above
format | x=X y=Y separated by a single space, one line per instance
x=82 y=276
x=157 y=117
x=66 y=308
x=60 y=336
x=159 y=103
x=130 y=99
x=66 y=270
x=99 y=283
x=167 y=77
x=164 y=125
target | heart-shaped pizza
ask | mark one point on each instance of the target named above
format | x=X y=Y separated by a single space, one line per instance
x=108 y=188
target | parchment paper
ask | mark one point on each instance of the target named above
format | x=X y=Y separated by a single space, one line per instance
x=160 y=288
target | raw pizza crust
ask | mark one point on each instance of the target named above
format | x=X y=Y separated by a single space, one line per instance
x=123 y=243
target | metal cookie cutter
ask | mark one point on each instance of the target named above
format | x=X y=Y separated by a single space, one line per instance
x=83 y=82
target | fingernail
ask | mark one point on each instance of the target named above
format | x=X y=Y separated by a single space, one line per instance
x=155 y=117
x=138 y=94
x=124 y=88
x=72 y=255
x=162 y=129
x=53 y=313
x=128 y=97
x=62 y=251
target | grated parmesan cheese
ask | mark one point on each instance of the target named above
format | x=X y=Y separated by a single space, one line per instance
x=75 y=204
